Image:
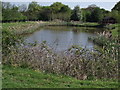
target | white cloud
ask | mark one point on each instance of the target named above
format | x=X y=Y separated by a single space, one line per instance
x=61 y=0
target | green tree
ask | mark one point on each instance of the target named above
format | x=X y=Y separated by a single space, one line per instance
x=65 y=13
x=76 y=14
x=117 y=7
x=116 y=12
x=56 y=7
x=33 y=11
x=60 y=11
x=96 y=15
x=86 y=15
x=45 y=13
x=11 y=13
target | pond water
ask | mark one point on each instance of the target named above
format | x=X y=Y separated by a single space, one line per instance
x=63 y=37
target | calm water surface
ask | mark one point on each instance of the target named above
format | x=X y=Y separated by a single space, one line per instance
x=63 y=37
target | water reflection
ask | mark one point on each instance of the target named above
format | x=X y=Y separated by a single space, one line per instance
x=62 y=37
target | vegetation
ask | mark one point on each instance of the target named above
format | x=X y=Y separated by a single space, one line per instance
x=22 y=28
x=109 y=42
x=82 y=64
x=76 y=14
x=57 y=10
x=15 y=76
x=77 y=62
x=117 y=7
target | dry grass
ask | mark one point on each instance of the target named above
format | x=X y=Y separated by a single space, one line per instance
x=74 y=62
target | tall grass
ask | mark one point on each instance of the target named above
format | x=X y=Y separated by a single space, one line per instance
x=74 y=62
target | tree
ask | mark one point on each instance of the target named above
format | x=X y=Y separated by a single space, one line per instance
x=33 y=11
x=76 y=14
x=86 y=15
x=60 y=11
x=96 y=15
x=45 y=13
x=65 y=12
x=116 y=7
x=11 y=13
x=23 y=8
x=56 y=7
x=116 y=12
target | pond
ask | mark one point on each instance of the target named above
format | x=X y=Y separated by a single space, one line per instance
x=63 y=37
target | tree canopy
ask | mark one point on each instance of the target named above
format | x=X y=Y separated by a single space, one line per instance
x=117 y=7
x=76 y=13
x=57 y=10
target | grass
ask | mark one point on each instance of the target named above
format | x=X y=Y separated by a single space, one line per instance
x=22 y=27
x=31 y=25
x=115 y=28
x=16 y=77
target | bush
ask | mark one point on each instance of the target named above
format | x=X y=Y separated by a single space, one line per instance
x=9 y=39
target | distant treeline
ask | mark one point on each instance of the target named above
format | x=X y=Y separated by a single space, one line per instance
x=35 y=12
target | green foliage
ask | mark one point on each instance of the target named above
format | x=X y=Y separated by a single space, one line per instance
x=86 y=15
x=76 y=14
x=56 y=11
x=33 y=11
x=56 y=7
x=93 y=14
x=8 y=39
x=96 y=15
x=110 y=46
x=117 y=7
x=115 y=14
x=60 y=11
x=45 y=13
x=11 y=13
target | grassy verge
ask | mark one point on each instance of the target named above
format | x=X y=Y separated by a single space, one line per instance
x=16 y=77
x=22 y=27
x=87 y=24
x=29 y=27
x=79 y=24
x=114 y=28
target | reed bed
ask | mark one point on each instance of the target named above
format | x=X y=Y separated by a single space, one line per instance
x=75 y=62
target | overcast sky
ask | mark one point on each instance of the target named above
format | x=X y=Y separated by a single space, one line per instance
x=62 y=0
x=106 y=4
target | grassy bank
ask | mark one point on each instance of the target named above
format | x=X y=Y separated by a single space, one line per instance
x=30 y=27
x=74 y=23
x=20 y=28
x=16 y=77
x=114 y=28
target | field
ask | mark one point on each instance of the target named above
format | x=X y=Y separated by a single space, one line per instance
x=16 y=77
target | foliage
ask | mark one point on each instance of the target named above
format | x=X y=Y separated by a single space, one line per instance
x=33 y=11
x=96 y=15
x=76 y=62
x=117 y=6
x=76 y=14
x=115 y=14
x=45 y=13
x=110 y=45
x=93 y=14
x=8 y=39
x=56 y=11
x=86 y=15
x=60 y=11
x=11 y=13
